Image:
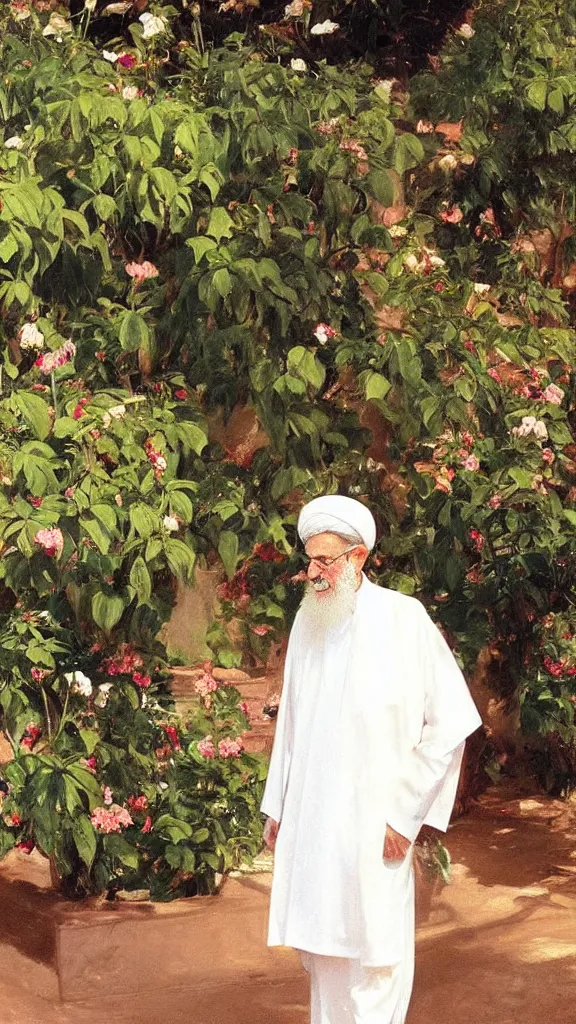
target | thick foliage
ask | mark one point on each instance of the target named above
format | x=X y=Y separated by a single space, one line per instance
x=362 y=280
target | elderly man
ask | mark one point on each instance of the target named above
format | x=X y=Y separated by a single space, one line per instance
x=370 y=735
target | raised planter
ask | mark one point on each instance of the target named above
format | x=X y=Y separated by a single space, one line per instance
x=98 y=948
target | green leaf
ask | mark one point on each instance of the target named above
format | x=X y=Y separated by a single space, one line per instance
x=381 y=186
x=134 y=333
x=85 y=839
x=536 y=93
x=35 y=411
x=143 y=519
x=222 y=282
x=140 y=580
x=220 y=224
x=228 y=551
x=377 y=386
x=408 y=152
x=116 y=846
x=104 y=206
x=107 y=610
x=306 y=365
x=200 y=246
x=180 y=559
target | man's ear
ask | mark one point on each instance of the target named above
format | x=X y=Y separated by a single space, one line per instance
x=359 y=556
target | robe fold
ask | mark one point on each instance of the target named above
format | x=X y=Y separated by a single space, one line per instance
x=370 y=731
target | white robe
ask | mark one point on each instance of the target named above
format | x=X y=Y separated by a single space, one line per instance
x=370 y=732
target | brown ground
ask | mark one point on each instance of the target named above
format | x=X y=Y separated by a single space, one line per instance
x=498 y=945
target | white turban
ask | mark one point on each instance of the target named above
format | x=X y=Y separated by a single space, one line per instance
x=334 y=513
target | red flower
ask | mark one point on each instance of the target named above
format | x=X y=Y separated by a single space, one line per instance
x=172 y=734
x=439 y=286
x=26 y=846
x=127 y=60
x=78 y=412
x=141 y=680
x=100 y=356
x=147 y=826
x=36 y=502
x=38 y=674
x=267 y=552
x=137 y=803
x=181 y=394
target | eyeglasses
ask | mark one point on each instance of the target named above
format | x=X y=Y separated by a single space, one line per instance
x=323 y=561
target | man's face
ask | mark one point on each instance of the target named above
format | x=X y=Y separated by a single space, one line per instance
x=327 y=546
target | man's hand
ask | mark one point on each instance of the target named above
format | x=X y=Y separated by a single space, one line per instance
x=395 y=846
x=270 y=833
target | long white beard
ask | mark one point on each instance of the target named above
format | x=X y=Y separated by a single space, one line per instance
x=322 y=610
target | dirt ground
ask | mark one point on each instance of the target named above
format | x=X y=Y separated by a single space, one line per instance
x=497 y=945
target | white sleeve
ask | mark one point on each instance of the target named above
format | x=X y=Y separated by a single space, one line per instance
x=450 y=716
x=273 y=799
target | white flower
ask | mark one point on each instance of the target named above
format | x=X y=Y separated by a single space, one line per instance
x=530 y=425
x=79 y=683
x=57 y=26
x=397 y=231
x=466 y=31
x=294 y=9
x=130 y=92
x=424 y=127
x=448 y=162
x=119 y=8
x=384 y=87
x=297 y=64
x=30 y=337
x=324 y=28
x=103 y=694
x=482 y=289
x=171 y=523
x=411 y=263
x=110 y=56
x=435 y=261
x=14 y=143
x=116 y=412
x=467 y=159
x=153 y=25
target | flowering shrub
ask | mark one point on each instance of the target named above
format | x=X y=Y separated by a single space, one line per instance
x=357 y=269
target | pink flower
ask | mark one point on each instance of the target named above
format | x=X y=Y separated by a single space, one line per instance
x=147 y=826
x=141 y=271
x=453 y=215
x=141 y=680
x=470 y=346
x=495 y=501
x=108 y=796
x=127 y=60
x=477 y=539
x=90 y=763
x=443 y=480
x=35 y=502
x=38 y=674
x=205 y=684
x=110 y=819
x=467 y=438
x=50 y=361
x=323 y=332
x=231 y=748
x=494 y=374
x=553 y=394
x=69 y=492
x=206 y=747
x=471 y=463
x=51 y=541
x=548 y=456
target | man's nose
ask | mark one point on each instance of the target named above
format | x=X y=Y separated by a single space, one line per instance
x=313 y=571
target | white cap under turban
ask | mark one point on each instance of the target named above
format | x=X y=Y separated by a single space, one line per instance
x=335 y=513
